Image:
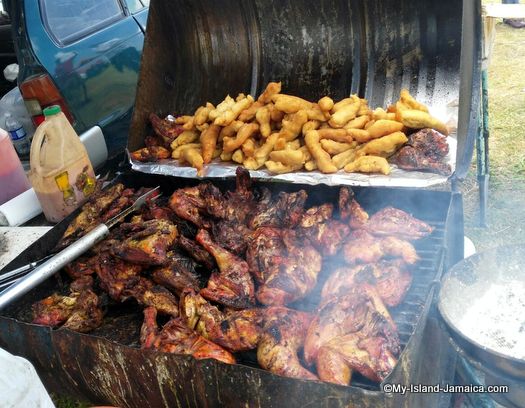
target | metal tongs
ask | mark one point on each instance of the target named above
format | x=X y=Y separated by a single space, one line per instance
x=67 y=255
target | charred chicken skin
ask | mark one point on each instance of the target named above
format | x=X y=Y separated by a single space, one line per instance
x=291 y=275
x=283 y=335
x=236 y=330
x=190 y=204
x=233 y=286
x=148 y=243
x=391 y=279
x=363 y=247
x=285 y=212
x=175 y=337
x=116 y=275
x=178 y=274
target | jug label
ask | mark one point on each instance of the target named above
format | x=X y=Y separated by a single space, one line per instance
x=85 y=183
x=68 y=194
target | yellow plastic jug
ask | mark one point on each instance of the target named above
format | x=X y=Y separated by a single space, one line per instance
x=61 y=173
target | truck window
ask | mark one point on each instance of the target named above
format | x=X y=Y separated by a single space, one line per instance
x=70 y=20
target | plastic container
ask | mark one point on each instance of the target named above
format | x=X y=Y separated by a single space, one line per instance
x=18 y=134
x=13 y=180
x=61 y=173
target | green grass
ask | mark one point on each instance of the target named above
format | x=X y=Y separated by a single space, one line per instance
x=506 y=208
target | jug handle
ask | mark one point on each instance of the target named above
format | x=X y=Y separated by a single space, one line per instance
x=36 y=144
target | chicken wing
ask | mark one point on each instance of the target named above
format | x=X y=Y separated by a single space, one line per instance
x=148 y=294
x=371 y=351
x=176 y=337
x=283 y=335
x=233 y=286
x=149 y=242
x=350 y=210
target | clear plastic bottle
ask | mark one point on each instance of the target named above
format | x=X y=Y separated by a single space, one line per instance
x=18 y=134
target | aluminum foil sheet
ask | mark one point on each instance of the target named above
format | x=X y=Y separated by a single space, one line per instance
x=397 y=177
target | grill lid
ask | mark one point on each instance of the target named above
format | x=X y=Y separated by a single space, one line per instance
x=202 y=50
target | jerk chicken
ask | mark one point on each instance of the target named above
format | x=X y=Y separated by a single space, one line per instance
x=283 y=335
x=176 y=337
x=226 y=272
x=352 y=332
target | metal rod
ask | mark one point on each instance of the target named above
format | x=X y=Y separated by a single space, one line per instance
x=18 y=271
x=53 y=265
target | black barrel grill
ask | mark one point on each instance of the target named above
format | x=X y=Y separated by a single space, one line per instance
x=106 y=366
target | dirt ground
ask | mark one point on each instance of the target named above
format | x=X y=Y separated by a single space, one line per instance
x=506 y=207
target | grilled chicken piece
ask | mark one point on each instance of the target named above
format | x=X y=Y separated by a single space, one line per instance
x=391 y=279
x=396 y=222
x=190 y=204
x=148 y=243
x=325 y=234
x=353 y=332
x=237 y=330
x=350 y=210
x=152 y=153
x=116 y=275
x=233 y=235
x=233 y=286
x=283 y=335
x=285 y=212
x=265 y=250
x=425 y=150
x=125 y=199
x=234 y=206
x=148 y=294
x=87 y=314
x=81 y=267
x=341 y=315
x=370 y=351
x=194 y=250
x=363 y=247
x=291 y=276
x=178 y=274
x=164 y=128
x=54 y=310
x=80 y=311
x=91 y=212
x=175 y=337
